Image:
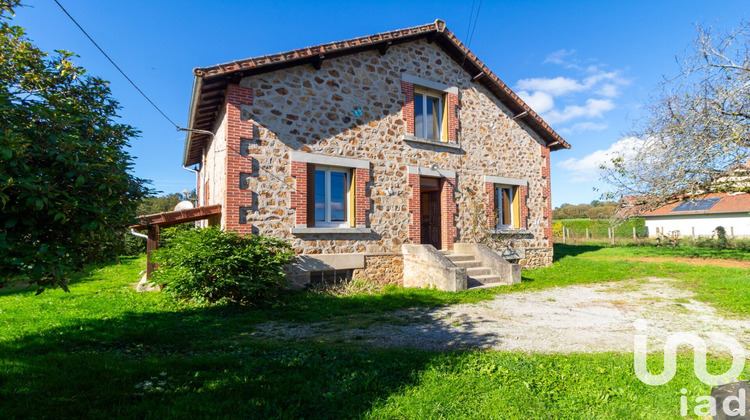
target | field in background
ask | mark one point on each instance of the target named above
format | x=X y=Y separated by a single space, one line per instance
x=598 y=228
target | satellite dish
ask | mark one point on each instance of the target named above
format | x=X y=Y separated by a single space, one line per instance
x=183 y=205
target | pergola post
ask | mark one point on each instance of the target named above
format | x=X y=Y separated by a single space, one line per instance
x=152 y=222
x=152 y=243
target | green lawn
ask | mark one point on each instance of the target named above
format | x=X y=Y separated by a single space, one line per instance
x=684 y=251
x=105 y=351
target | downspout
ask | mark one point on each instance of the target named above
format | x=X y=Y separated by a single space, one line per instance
x=197 y=180
x=140 y=235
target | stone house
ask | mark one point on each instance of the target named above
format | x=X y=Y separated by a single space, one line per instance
x=376 y=157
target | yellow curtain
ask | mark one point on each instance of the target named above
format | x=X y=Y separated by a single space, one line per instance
x=352 y=198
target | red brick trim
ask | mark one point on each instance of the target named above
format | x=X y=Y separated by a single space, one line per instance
x=489 y=207
x=452 y=100
x=299 y=195
x=546 y=195
x=448 y=211
x=206 y=193
x=361 y=201
x=415 y=227
x=523 y=193
x=236 y=198
x=408 y=109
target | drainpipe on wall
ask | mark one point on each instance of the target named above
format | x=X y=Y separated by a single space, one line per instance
x=195 y=130
x=197 y=179
x=140 y=235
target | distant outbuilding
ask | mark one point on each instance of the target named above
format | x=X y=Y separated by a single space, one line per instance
x=700 y=216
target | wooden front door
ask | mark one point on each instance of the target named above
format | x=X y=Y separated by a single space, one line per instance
x=431 y=218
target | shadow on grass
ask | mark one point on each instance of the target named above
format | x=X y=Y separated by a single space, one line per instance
x=563 y=250
x=87 y=274
x=204 y=362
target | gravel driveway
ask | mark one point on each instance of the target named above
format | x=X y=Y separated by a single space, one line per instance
x=582 y=318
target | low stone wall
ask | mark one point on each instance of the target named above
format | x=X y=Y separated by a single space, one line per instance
x=537 y=257
x=424 y=266
x=382 y=270
x=510 y=273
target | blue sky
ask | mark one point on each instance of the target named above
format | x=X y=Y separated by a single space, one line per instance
x=586 y=66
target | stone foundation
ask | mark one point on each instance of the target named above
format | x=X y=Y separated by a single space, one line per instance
x=382 y=270
x=537 y=257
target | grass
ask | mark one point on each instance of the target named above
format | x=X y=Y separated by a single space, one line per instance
x=104 y=350
x=683 y=251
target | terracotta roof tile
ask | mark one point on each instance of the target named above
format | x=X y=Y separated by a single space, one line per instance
x=728 y=203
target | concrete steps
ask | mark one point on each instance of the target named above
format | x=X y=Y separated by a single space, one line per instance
x=477 y=275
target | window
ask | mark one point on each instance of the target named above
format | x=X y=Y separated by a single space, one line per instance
x=331 y=196
x=428 y=116
x=506 y=207
x=330 y=277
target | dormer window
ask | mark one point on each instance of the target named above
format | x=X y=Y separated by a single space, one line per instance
x=428 y=115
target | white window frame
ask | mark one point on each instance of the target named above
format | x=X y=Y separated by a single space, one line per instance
x=440 y=115
x=499 y=208
x=327 y=199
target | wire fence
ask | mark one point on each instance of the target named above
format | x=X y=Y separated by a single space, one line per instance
x=599 y=234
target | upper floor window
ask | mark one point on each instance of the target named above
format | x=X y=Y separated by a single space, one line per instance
x=332 y=186
x=428 y=115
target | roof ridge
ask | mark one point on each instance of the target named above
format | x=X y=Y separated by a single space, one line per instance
x=217 y=69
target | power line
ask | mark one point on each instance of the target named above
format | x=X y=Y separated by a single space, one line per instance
x=471 y=15
x=475 y=23
x=116 y=66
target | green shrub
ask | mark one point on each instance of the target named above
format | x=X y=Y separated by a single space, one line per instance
x=211 y=265
x=721 y=237
x=557 y=229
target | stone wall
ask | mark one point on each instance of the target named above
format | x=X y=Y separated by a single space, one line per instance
x=382 y=270
x=537 y=257
x=307 y=110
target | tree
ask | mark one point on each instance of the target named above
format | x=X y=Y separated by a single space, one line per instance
x=698 y=125
x=159 y=204
x=65 y=189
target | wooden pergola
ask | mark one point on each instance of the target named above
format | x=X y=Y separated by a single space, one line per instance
x=153 y=222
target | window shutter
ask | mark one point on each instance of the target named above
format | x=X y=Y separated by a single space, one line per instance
x=352 y=199
x=310 y=195
x=446 y=117
x=516 y=209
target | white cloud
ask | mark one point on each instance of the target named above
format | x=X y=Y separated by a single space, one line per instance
x=538 y=101
x=609 y=90
x=594 y=108
x=562 y=57
x=584 y=126
x=555 y=86
x=587 y=168
x=586 y=97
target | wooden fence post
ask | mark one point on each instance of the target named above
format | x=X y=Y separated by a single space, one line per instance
x=612 y=237
x=693 y=228
x=152 y=243
x=564 y=234
x=634 y=235
x=731 y=229
x=587 y=233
